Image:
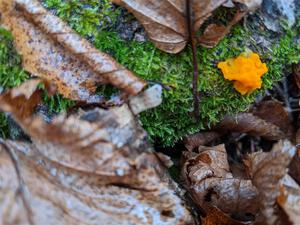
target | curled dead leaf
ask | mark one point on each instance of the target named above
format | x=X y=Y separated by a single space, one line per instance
x=266 y=170
x=250 y=124
x=166 y=21
x=208 y=177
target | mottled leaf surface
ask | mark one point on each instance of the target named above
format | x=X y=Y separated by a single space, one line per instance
x=208 y=177
x=250 y=124
x=266 y=170
x=53 y=51
x=166 y=20
x=92 y=167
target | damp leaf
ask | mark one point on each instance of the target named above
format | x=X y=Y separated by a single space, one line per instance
x=53 y=51
x=84 y=168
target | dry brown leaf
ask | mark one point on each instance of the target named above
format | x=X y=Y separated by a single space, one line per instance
x=166 y=21
x=266 y=170
x=91 y=168
x=53 y=51
x=250 y=124
x=214 y=33
x=278 y=117
x=211 y=183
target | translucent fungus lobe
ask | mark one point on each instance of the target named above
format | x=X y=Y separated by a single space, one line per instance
x=245 y=71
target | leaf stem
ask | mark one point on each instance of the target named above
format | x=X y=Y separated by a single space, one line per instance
x=193 y=41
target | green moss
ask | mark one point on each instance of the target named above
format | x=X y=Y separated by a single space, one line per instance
x=85 y=16
x=11 y=74
x=171 y=121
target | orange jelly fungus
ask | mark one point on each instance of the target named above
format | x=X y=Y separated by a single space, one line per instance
x=245 y=71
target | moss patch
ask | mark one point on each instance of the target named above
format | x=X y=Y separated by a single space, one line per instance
x=171 y=121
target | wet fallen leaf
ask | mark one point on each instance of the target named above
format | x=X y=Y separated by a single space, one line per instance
x=166 y=21
x=93 y=167
x=53 y=51
x=266 y=171
x=250 y=124
x=211 y=184
x=278 y=117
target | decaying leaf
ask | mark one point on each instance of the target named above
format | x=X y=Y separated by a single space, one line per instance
x=252 y=125
x=278 y=117
x=266 y=170
x=166 y=21
x=208 y=177
x=53 y=51
x=93 y=167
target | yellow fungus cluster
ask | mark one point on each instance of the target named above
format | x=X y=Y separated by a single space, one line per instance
x=245 y=71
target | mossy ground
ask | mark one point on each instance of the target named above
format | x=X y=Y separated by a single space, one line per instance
x=171 y=121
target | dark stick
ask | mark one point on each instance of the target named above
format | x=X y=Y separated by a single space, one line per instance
x=193 y=41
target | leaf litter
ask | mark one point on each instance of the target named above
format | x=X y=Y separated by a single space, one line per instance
x=88 y=167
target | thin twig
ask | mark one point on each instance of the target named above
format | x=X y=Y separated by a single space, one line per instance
x=20 y=191
x=193 y=41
